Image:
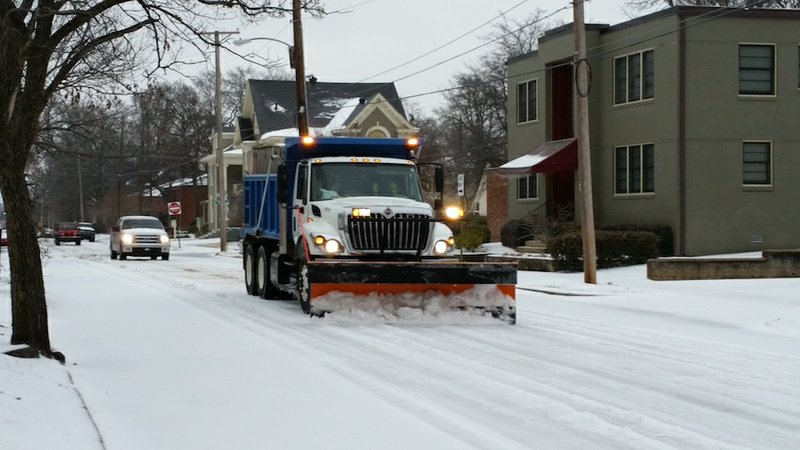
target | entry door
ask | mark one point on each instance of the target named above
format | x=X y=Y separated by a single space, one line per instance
x=561 y=185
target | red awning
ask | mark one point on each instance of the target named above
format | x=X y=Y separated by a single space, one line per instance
x=552 y=156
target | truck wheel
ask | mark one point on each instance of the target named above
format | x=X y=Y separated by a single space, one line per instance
x=78 y=242
x=165 y=256
x=267 y=290
x=58 y=242
x=113 y=254
x=122 y=256
x=250 y=279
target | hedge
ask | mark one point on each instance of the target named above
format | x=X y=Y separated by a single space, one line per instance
x=613 y=249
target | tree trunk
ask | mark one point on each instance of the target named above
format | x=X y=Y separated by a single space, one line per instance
x=28 y=305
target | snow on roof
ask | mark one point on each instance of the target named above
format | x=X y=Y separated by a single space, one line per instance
x=337 y=122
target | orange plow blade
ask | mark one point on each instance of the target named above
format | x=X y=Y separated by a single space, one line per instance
x=488 y=288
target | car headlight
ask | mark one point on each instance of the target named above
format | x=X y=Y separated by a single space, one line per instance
x=127 y=239
x=440 y=247
x=164 y=239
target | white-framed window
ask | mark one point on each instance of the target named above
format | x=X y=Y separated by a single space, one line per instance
x=527 y=101
x=757 y=163
x=634 y=169
x=527 y=187
x=756 y=69
x=634 y=77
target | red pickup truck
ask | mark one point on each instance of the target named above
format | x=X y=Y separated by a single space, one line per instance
x=67 y=231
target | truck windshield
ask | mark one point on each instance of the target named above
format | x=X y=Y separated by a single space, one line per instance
x=335 y=180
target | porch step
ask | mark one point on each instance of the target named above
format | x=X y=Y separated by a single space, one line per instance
x=532 y=246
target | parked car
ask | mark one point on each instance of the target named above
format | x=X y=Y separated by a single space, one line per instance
x=67 y=232
x=139 y=236
x=86 y=231
x=3 y=237
x=46 y=232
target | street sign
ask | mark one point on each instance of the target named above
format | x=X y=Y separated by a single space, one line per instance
x=461 y=185
x=174 y=208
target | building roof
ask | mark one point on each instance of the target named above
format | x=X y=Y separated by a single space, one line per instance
x=683 y=11
x=275 y=101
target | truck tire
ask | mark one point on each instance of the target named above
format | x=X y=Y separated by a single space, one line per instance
x=250 y=278
x=267 y=290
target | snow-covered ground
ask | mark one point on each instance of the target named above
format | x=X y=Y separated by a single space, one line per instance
x=175 y=355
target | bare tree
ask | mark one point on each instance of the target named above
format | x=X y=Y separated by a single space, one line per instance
x=474 y=114
x=76 y=48
x=642 y=5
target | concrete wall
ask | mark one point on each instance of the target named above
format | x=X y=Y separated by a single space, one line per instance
x=773 y=264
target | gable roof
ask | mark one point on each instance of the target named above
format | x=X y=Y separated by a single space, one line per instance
x=274 y=101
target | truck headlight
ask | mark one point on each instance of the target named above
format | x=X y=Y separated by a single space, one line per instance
x=332 y=246
x=329 y=246
x=164 y=239
x=127 y=239
x=440 y=247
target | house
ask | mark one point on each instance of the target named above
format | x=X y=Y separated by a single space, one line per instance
x=232 y=159
x=192 y=195
x=693 y=119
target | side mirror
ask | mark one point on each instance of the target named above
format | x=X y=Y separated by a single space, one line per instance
x=439 y=179
x=282 y=182
x=115 y=228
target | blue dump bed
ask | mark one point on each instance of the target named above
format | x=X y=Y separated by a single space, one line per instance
x=360 y=147
x=261 y=206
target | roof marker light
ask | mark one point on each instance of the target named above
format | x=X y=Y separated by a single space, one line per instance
x=307 y=140
x=412 y=142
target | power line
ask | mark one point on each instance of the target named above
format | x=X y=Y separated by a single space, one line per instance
x=502 y=14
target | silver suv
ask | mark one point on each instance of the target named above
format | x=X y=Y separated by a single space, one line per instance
x=139 y=236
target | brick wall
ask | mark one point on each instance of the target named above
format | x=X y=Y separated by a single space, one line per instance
x=496 y=203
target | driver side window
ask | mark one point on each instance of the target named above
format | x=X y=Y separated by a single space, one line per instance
x=302 y=170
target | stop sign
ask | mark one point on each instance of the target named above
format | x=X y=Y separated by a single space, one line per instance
x=174 y=208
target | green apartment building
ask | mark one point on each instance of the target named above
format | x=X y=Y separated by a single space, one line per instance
x=694 y=124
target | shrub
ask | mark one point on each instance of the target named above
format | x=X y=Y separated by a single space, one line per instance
x=510 y=234
x=472 y=232
x=666 y=240
x=613 y=249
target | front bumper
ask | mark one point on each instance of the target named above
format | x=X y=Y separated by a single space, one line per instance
x=144 y=250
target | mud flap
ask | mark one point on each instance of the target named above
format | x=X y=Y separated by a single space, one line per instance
x=431 y=286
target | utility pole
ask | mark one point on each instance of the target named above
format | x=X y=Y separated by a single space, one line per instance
x=222 y=219
x=80 y=188
x=300 y=69
x=584 y=153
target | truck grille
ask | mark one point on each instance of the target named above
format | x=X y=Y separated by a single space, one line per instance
x=146 y=239
x=400 y=232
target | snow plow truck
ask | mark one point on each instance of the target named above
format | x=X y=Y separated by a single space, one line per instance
x=341 y=222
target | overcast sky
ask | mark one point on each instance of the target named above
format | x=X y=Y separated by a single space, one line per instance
x=370 y=37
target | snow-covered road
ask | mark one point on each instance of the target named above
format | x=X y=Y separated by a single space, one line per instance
x=176 y=355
